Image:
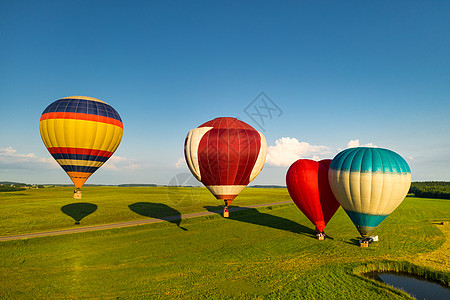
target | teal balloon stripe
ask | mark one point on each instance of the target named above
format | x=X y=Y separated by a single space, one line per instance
x=366 y=159
x=365 y=220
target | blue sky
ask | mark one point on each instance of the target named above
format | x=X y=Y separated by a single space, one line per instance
x=341 y=73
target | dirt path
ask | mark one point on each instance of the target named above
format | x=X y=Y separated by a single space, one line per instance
x=129 y=223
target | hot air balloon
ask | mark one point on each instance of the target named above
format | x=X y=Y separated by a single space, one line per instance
x=81 y=133
x=369 y=183
x=307 y=184
x=225 y=154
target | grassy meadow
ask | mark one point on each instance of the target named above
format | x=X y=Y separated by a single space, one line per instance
x=264 y=253
x=54 y=208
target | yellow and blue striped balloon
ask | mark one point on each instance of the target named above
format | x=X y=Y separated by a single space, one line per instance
x=81 y=133
x=369 y=183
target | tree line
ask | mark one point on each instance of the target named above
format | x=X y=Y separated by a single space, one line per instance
x=431 y=189
x=8 y=186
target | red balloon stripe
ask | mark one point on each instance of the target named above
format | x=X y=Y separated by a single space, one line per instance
x=81 y=116
x=81 y=151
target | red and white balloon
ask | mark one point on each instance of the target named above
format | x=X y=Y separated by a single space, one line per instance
x=225 y=154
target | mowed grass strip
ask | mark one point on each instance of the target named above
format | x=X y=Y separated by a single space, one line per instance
x=54 y=208
x=265 y=253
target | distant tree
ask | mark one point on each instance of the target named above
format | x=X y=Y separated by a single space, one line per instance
x=10 y=188
x=431 y=189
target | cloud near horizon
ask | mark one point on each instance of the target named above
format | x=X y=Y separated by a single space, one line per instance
x=287 y=150
x=120 y=163
x=10 y=159
x=355 y=143
x=180 y=163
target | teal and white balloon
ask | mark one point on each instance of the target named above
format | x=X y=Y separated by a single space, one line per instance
x=369 y=183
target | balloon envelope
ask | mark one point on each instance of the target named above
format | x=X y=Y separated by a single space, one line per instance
x=369 y=183
x=81 y=133
x=307 y=183
x=225 y=154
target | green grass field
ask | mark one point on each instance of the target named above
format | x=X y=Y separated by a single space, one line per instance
x=54 y=208
x=265 y=253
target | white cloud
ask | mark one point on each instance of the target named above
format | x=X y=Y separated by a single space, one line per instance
x=49 y=160
x=355 y=143
x=120 y=163
x=180 y=163
x=11 y=153
x=11 y=159
x=287 y=150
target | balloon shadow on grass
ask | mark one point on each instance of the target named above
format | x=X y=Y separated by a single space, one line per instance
x=354 y=241
x=157 y=211
x=79 y=210
x=253 y=216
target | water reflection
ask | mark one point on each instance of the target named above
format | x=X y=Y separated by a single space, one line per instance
x=413 y=285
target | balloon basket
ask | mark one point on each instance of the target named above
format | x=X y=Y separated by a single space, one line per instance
x=320 y=236
x=444 y=223
x=226 y=213
x=368 y=240
x=77 y=194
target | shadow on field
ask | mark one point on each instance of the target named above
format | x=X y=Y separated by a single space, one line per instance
x=253 y=216
x=78 y=210
x=157 y=211
x=354 y=241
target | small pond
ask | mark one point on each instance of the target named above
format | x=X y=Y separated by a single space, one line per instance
x=416 y=286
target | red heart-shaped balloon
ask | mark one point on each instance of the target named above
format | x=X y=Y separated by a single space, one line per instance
x=307 y=183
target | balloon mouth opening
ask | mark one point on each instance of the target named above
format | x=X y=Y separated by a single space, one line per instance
x=227 y=202
x=320 y=226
